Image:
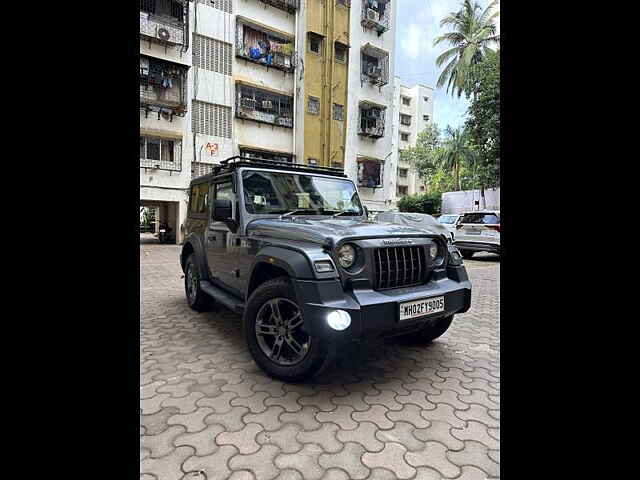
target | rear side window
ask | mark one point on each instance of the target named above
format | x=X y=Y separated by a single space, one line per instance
x=447 y=219
x=481 y=218
x=199 y=198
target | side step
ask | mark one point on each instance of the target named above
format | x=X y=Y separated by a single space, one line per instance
x=229 y=301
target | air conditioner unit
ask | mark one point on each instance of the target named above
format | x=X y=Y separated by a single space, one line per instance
x=374 y=71
x=372 y=14
x=163 y=33
x=267 y=104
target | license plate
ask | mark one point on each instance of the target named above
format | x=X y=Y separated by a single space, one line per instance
x=419 y=308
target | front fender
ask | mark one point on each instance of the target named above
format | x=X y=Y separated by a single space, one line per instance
x=195 y=243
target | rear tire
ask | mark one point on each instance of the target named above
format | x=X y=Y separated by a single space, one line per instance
x=431 y=332
x=197 y=299
x=467 y=254
x=275 y=334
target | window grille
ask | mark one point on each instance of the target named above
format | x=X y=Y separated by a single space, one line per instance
x=223 y=5
x=160 y=153
x=198 y=169
x=253 y=103
x=372 y=120
x=162 y=84
x=405 y=119
x=404 y=137
x=338 y=112
x=259 y=45
x=376 y=15
x=210 y=119
x=374 y=65
x=315 y=42
x=212 y=54
x=313 y=105
x=340 y=52
x=406 y=101
x=289 y=6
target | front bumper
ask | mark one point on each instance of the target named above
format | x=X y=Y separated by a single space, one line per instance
x=478 y=246
x=375 y=314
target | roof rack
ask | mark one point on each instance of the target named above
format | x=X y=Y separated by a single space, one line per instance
x=237 y=161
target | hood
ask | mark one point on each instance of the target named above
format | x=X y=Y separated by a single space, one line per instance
x=329 y=229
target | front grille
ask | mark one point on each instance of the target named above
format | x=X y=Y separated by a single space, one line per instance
x=399 y=267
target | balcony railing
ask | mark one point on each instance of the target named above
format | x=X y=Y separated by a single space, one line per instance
x=372 y=120
x=160 y=154
x=375 y=15
x=162 y=86
x=265 y=48
x=163 y=21
x=375 y=65
x=289 y=6
x=263 y=106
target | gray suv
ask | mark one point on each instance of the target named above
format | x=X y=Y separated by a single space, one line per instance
x=289 y=248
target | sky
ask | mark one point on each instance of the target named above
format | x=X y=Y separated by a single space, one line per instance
x=418 y=24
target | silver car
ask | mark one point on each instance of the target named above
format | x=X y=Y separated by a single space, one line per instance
x=449 y=221
x=478 y=231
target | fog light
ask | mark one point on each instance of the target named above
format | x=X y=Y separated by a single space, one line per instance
x=338 y=319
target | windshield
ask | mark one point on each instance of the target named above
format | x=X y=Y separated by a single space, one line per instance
x=447 y=218
x=278 y=193
x=484 y=218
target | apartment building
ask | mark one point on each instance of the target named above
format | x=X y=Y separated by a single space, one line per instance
x=415 y=112
x=307 y=81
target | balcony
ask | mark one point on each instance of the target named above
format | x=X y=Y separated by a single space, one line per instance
x=160 y=154
x=374 y=65
x=375 y=15
x=163 y=21
x=267 y=48
x=253 y=103
x=289 y=6
x=371 y=120
x=162 y=87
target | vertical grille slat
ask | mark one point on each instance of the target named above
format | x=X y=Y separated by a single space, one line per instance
x=399 y=266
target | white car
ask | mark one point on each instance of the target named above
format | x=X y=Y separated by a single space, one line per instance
x=449 y=220
x=478 y=231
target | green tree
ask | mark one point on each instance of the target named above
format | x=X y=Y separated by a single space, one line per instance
x=421 y=203
x=483 y=122
x=455 y=153
x=422 y=156
x=473 y=32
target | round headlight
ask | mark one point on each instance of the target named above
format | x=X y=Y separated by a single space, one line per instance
x=346 y=256
x=433 y=251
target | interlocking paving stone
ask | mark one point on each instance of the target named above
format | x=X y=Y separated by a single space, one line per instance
x=161 y=444
x=305 y=461
x=425 y=407
x=364 y=434
x=244 y=440
x=434 y=455
x=284 y=438
x=215 y=466
x=203 y=441
x=409 y=413
x=391 y=458
x=475 y=454
x=342 y=415
x=348 y=459
x=376 y=414
x=440 y=432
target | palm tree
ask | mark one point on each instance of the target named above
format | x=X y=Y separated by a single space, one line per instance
x=474 y=31
x=454 y=152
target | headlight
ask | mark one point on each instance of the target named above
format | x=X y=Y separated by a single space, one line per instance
x=433 y=251
x=346 y=256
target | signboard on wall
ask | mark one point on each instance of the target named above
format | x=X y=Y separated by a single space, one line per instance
x=212 y=149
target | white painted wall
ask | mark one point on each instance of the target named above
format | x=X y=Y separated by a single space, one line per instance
x=458 y=202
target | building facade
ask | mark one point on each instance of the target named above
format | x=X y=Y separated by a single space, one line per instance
x=415 y=113
x=307 y=81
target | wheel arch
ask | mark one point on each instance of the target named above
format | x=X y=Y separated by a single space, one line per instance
x=193 y=245
x=273 y=262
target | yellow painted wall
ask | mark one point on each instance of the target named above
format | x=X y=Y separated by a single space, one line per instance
x=326 y=79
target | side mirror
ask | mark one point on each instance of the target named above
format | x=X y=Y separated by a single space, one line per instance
x=221 y=210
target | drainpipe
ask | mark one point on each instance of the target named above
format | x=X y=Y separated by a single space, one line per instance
x=295 y=82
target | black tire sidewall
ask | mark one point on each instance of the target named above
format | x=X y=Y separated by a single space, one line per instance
x=319 y=355
x=431 y=332
x=201 y=301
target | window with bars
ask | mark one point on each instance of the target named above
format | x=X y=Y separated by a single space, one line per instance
x=313 y=105
x=224 y=5
x=315 y=42
x=374 y=65
x=405 y=119
x=403 y=190
x=160 y=153
x=406 y=101
x=263 y=46
x=372 y=120
x=254 y=103
x=425 y=118
x=340 y=52
x=404 y=137
x=338 y=112
x=210 y=119
x=162 y=84
x=212 y=54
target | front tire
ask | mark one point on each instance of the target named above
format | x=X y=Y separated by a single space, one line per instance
x=197 y=299
x=431 y=332
x=276 y=337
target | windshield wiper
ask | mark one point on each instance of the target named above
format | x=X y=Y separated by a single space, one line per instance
x=293 y=212
x=344 y=212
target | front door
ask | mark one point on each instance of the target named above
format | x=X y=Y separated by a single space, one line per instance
x=223 y=244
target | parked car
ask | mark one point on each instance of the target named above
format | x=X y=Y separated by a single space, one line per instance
x=418 y=220
x=449 y=220
x=290 y=248
x=478 y=232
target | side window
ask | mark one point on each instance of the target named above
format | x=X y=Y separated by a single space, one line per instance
x=199 y=198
